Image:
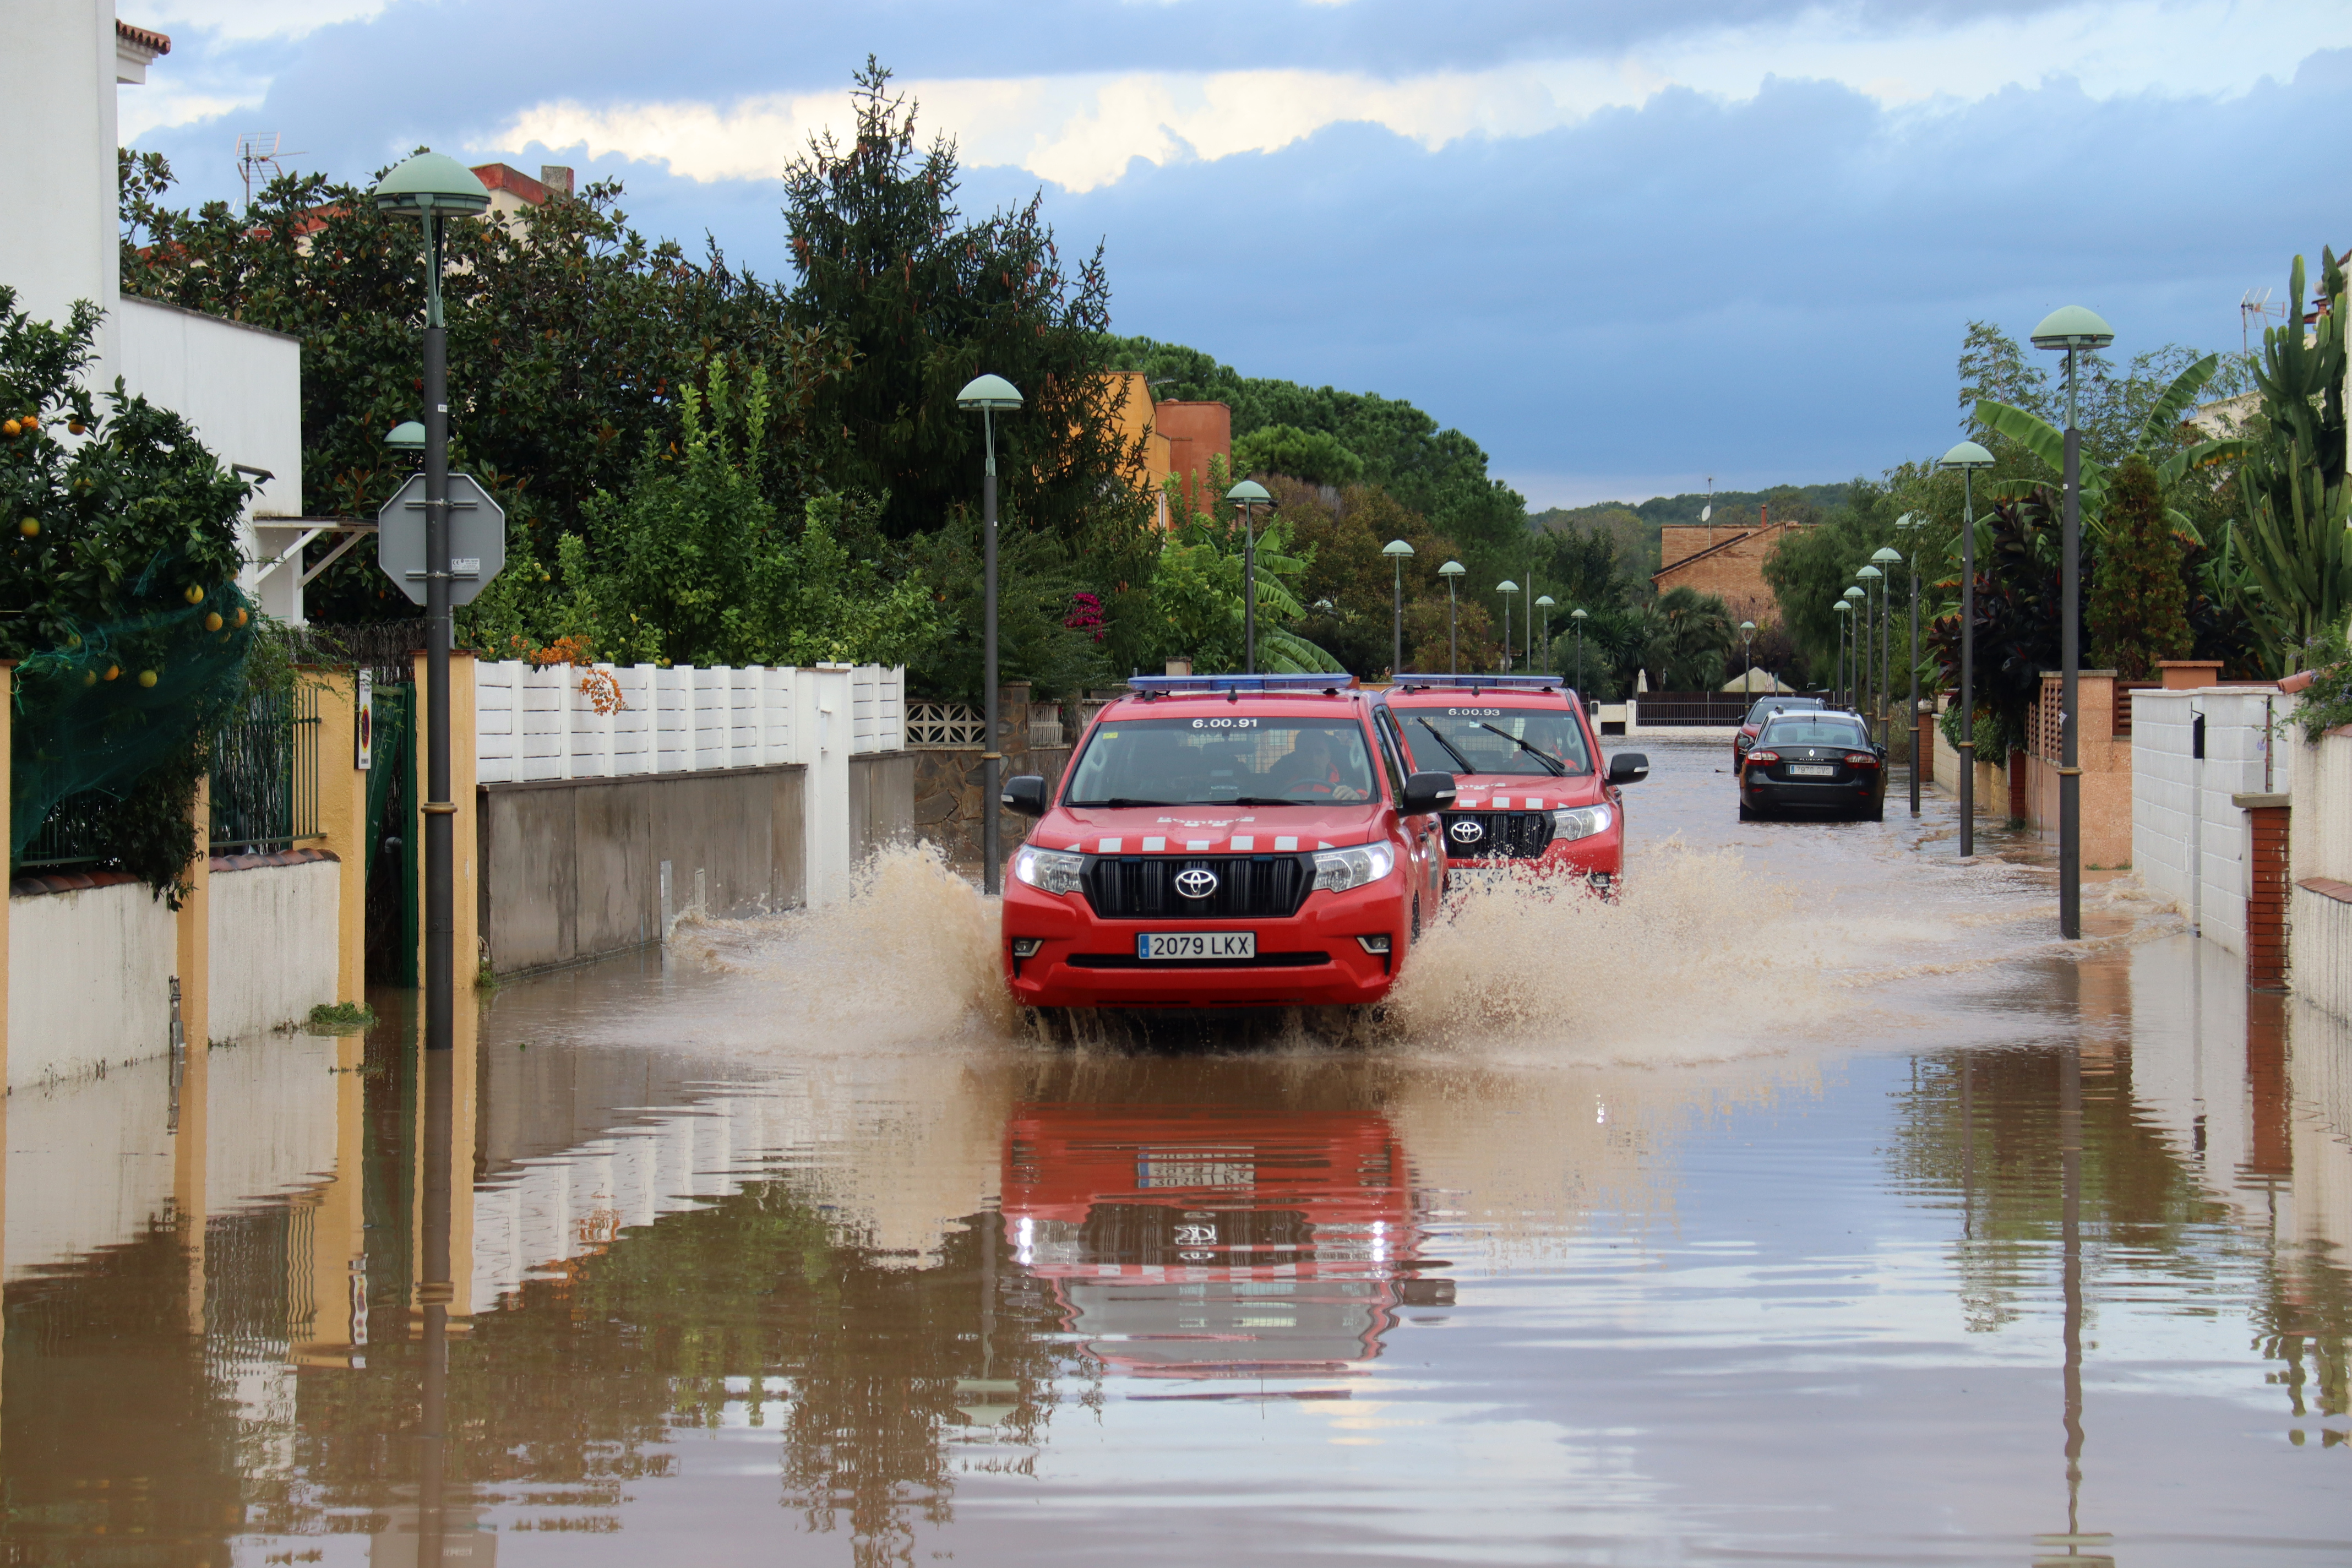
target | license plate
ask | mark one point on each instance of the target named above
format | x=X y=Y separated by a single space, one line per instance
x=1812 y=770
x=1196 y=944
x=1481 y=876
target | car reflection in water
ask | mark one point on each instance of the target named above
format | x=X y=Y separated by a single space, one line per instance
x=1206 y=1243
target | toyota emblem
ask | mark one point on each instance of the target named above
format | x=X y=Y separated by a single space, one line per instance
x=1468 y=830
x=1196 y=883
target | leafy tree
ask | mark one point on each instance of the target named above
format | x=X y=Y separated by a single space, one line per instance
x=1199 y=590
x=2018 y=626
x=118 y=600
x=2139 y=607
x=1314 y=455
x=2296 y=501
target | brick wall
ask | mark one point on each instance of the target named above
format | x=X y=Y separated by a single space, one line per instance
x=1724 y=562
x=2266 y=892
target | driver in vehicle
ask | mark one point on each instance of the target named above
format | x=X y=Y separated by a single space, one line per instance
x=1311 y=772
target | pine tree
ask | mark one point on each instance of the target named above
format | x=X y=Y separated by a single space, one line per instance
x=2139 y=610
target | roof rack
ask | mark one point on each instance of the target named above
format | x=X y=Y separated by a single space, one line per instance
x=1228 y=685
x=1484 y=682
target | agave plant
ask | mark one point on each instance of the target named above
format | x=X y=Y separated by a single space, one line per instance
x=2297 y=504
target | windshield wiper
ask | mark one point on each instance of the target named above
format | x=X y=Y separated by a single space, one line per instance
x=1559 y=768
x=1118 y=800
x=1261 y=800
x=1436 y=735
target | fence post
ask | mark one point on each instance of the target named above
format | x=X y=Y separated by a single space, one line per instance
x=2266 y=887
x=7 y=712
x=194 y=923
x=464 y=749
x=342 y=821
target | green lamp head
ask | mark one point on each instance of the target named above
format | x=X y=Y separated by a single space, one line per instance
x=1841 y=606
x=992 y=393
x=1545 y=601
x=1249 y=492
x=2073 y=327
x=431 y=184
x=1852 y=594
x=1967 y=456
x=1507 y=586
x=1887 y=554
x=407 y=436
x=1870 y=573
x=1452 y=569
x=1397 y=547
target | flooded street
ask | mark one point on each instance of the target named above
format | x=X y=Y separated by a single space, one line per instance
x=1813 y=1204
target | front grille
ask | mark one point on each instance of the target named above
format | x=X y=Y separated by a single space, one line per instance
x=1249 y=887
x=1501 y=834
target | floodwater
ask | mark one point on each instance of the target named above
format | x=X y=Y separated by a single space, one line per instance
x=1813 y=1204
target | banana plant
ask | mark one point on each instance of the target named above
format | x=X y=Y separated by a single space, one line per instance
x=2154 y=441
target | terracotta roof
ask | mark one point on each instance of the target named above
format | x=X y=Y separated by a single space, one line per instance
x=139 y=38
x=506 y=176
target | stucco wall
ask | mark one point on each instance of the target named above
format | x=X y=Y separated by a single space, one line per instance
x=89 y=975
x=2188 y=841
x=274 y=948
x=2319 y=833
x=881 y=801
x=571 y=870
x=60 y=229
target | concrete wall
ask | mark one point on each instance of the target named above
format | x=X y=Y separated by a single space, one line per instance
x=59 y=227
x=573 y=869
x=274 y=954
x=881 y=801
x=2188 y=842
x=1991 y=798
x=2319 y=867
x=90 y=981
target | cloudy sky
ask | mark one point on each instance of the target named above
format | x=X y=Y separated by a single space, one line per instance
x=1625 y=246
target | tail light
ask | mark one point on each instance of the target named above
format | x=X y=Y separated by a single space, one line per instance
x=1860 y=760
x=1768 y=758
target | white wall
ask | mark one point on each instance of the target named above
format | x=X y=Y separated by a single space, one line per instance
x=2319 y=845
x=241 y=387
x=88 y=981
x=273 y=945
x=2188 y=841
x=89 y=1162
x=58 y=226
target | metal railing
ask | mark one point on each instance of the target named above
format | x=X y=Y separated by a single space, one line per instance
x=265 y=779
x=1692 y=708
x=72 y=834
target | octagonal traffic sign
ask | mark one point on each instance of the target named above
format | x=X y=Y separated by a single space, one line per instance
x=477 y=539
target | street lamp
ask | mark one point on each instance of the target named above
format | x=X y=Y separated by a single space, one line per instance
x=1544 y=602
x=1748 y=659
x=1969 y=458
x=2074 y=330
x=1846 y=610
x=1507 y=588
x=1249 y=495
x=432 y=188
x=1870 y=576
x=1450 y=571
x=991 y=395
x=1577 y=616
x=1858 y=600
x=1399 y=552
x=1910 y=523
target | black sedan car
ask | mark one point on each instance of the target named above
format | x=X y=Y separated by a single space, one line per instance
x=1822 y=761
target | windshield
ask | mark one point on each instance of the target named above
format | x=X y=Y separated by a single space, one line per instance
x=1236 y=759
x=1814 y=729
x=1471 y=738
x=1771 y=705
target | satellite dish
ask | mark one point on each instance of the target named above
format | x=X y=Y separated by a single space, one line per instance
x=1706 y=512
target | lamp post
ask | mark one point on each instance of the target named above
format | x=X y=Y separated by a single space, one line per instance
x=1577 y=616
x=1909 y=524
x=1544 y=602
x=1398 y=552
x=1507 y=588
x=1748 y=659
x=1249 y=495
x=1872 y=577
x=1969 y=458
x=1845 y=609
x=991 y=395
x=1883 y=559
x=2075 y=329
x=1858 y=600
x=1450 y=572
x=432 y=188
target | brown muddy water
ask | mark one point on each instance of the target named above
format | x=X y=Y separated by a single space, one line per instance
x=1813 y=1204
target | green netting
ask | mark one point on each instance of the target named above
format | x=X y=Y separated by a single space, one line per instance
x=390 y=755
x=98 y=714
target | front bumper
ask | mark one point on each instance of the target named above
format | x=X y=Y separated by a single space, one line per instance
x=1312 y=958
x=1601 y=855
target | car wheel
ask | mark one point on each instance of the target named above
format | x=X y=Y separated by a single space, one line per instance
x=1416 y=917
x=1746 y=812
x=1877 y=811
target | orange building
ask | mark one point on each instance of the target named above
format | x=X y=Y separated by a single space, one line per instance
x=1726 y=560
x=1178 y=438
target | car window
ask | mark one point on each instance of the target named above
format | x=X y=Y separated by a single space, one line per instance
x=1386 y=725
x=1771 y=705
x=1813 y=730
x=1471 y=737
x=1233 y=757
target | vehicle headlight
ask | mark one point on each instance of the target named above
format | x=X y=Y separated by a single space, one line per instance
x=1049 y=870
x=1337 y=871
x=1578 y=822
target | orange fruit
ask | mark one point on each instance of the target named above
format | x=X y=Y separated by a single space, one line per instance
x=146 y=677
x=112 y=671
x=76 y=425
x=30 y=528
x=195 y=595
x=240 y=617
x=11 y=429
x=211 y=621
x=31 y=422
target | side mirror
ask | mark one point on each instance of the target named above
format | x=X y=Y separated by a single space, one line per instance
x=1426 y=792
x=1025 y=795
x=1628 y=767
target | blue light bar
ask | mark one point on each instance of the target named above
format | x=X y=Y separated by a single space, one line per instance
x=1485 y=682
x=1168 y=685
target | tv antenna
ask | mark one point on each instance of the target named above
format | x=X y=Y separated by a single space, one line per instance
x=2255 y=306
x=256 y=150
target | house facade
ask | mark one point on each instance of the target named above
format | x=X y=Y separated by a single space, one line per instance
x=1723 y=559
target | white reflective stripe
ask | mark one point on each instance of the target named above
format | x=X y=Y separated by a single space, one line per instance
x=1320 y=844
x=1196 y=844
x=1150 y=845
x=1285 y=843
x=1244 y=841
x=1111 y=845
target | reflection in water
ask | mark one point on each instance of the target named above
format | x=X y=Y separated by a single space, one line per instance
x=1215 y=1242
